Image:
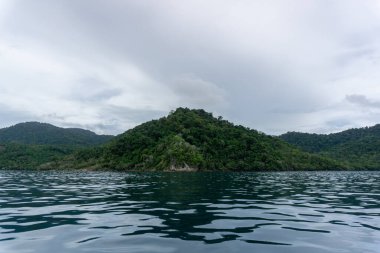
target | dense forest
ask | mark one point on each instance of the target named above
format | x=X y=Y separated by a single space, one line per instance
x=356 y=148
x=195 y=140
x=45 y=134
x=32 y=144
x=186 y=140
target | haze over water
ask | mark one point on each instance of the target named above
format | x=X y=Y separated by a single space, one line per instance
x=189 y=212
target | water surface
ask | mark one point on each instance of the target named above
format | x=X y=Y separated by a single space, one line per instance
x=189 y=212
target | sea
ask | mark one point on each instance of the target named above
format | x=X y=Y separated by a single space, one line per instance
x=115 y=212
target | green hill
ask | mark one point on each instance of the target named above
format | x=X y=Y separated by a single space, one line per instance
x=358 y=148
x=46 y=134
x=31 y=144
x=195 y=140
x=22 y=156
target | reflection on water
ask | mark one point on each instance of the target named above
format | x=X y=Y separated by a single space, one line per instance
x=189 y=212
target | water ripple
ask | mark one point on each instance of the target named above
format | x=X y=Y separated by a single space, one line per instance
x=189 y=212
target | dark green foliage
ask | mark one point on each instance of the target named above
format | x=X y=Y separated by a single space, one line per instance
x=357 y=148
x=195 y=139
x=21 y=156
x=33 y=144
x=46 y=134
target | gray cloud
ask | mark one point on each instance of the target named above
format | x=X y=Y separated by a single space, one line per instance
x=195 y=92
x=114 y=119
x=10 y=117
x=271 y=65
x=362 y=101
x=92 y=90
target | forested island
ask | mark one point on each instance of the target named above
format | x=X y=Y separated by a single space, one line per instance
x=186 y=140
x=355 y=148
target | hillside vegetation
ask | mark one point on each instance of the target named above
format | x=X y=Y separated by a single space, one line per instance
x=187 y=140
x=22 y=156
x=357 y=148
x=45 y=134
x=194 y=139
x=31 y=144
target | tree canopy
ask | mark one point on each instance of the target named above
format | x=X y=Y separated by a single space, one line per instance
x=197 y=139
x=357 y=148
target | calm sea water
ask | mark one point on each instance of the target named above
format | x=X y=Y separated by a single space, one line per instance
x=189 y=212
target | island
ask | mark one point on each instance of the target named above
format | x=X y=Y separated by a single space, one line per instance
x=186 y=140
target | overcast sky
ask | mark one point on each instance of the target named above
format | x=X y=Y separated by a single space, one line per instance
x=108 y=65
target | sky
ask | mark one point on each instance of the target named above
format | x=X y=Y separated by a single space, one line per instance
x=271 y=65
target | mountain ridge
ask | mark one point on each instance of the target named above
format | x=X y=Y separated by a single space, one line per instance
x=358 y=147
x=194 y=138
x=187 y=140
x=37 y=133
x=30 y=144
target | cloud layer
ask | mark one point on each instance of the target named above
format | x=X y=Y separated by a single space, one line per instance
x=272 y=65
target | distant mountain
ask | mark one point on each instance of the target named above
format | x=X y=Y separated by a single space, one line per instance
x=36 y=133
x=358 y=148
x=195 y=140
x=31 y=144
x=24 y=156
